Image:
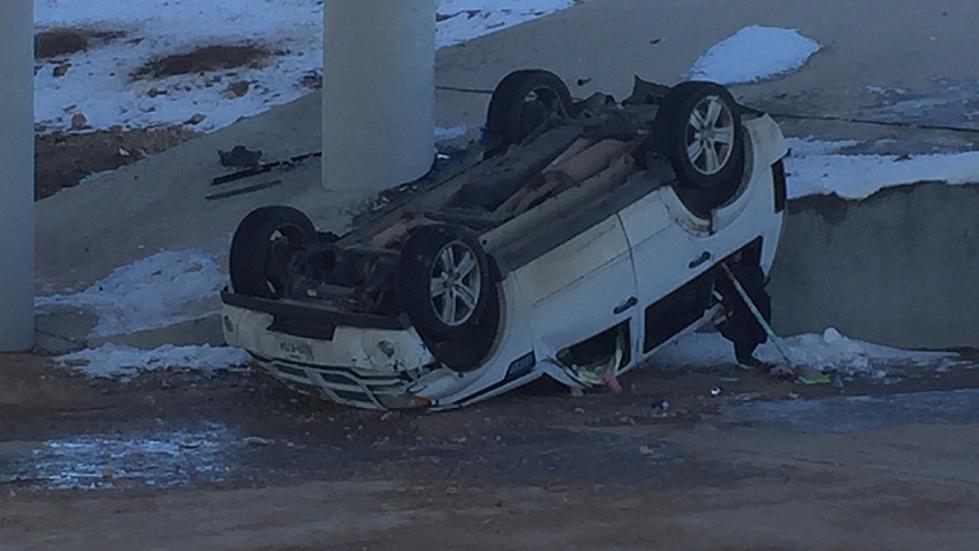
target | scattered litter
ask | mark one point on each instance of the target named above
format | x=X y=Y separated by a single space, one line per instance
x=243 y=190
x=447 y=134
x=837 y=381
x=812 y=377
x=240 y=157
x=782 y=373
x=256 y=441
x=661 y=404
x=754 y=53
x=747 y=396
x=716 y=391
x=647 y=451
x=611 y=381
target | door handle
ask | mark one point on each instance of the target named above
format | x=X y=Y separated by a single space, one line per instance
x=625 y=306
x=700 y=260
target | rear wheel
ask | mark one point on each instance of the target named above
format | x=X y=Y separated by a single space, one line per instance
x=521 y=103
x=268 y=251
x=699 y=130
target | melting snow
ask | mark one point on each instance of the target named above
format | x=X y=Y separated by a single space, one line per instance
x=754 y=53
x=161 y=458
x=123 y=363
x=463 y=20
x=448 y=134
x=99 y=82
x=147 y=294
x=817 y=168
x=829 y=351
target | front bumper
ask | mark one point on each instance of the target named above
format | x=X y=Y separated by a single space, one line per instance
x=344 y=386
x=359 y=361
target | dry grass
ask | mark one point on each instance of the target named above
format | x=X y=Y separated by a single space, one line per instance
x=204 y=59
x=63 y=160
x=62 y=41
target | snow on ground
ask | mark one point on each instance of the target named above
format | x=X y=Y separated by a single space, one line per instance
x=150 y=293
x=123 y=363
x=819 y=168
x=829 y=351
x=754 y=53
x=100 y=82
x=463 y=20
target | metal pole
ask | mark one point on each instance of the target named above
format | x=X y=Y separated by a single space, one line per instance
x=16 y=175
x=378 y=93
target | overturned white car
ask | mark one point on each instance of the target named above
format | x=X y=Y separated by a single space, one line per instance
x=593 y=233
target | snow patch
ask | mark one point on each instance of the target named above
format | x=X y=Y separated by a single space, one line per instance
x=463 y=20
x=123 y=363
x=817 y=168
x=448 y=134
x=754 y=53
x=826 y=352
x=147 y=294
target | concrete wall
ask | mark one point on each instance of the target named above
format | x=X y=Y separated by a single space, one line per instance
x=901 y=268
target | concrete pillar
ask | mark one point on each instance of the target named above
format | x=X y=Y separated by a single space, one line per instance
x=16 y=175
x=378 y=93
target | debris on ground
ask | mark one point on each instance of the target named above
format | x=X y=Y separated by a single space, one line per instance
x=256 y=441
x=240 y=157
x=661 y=404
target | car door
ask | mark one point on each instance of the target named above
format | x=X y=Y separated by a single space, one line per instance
x=671 y=251
x=581 y=288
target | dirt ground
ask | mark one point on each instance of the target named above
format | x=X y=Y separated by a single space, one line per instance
x=64 y=160
x=239 y=462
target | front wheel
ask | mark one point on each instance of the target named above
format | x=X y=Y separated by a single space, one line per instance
x=446 y=288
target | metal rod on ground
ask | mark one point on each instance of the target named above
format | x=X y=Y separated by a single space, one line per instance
x=754 y=311
x=17 y=170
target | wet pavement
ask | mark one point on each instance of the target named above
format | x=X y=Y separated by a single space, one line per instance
x=165 y=458
x=849 y=414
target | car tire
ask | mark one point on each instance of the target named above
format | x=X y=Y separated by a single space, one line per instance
x=698 y=128
x=444 y=282
x=521 y=103
x=262 y=248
